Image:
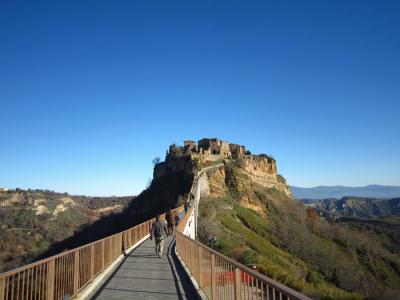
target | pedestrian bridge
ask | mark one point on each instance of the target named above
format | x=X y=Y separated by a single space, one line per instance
x=124 y=266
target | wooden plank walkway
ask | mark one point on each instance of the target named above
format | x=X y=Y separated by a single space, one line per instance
x=143 y=275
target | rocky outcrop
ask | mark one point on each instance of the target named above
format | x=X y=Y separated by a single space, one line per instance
x=238 y=175
x=177 y=159
x=10 y=198
x=204 y=185
x=356 y=207
x=263 y=171
x=237 y=179
x=216 y=179
x=259 y=169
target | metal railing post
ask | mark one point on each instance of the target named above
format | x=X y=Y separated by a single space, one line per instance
x=2 y=288
x=102 y=254
x=76 y=273
x=91 y=261
x=237 y=284
x=51 y=266
x=213 y=279
x=200 y=265
x=110 y=247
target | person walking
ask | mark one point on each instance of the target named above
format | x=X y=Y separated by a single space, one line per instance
x=177 y=220
x=170 y=217
x=158 y=232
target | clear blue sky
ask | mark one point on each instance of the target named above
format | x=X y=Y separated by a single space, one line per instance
x=92 y=91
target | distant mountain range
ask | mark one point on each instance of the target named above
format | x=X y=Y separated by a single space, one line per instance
x=325 y=192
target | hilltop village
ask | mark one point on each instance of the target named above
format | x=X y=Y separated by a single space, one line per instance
x=208 y=151
x=215 y=148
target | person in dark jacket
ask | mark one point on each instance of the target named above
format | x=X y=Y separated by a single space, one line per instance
x=170 y=218
x=158 y=232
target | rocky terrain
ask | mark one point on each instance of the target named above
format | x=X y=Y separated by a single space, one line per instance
x=356 y=207
x=32 y=221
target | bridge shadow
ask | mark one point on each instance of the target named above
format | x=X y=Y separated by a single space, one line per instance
x=178 y=271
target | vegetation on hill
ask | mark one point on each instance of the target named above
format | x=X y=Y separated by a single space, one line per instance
x=31 y=221
x=294 y=245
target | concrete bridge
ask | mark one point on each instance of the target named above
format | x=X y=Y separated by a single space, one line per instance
x=100 y=270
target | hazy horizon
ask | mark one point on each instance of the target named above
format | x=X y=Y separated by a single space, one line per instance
x=129 y=195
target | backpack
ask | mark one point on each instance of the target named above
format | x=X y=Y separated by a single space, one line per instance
x=158 y=229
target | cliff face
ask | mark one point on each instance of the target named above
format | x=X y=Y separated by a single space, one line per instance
x=177 y=159
x=241 y=171
x=241 y=178
x=263 y=171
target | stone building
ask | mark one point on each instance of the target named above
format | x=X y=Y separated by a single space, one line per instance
x=237 y=150
x=214 y=146
x=191 y=145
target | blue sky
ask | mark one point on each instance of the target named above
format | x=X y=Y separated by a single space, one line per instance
x=92 y=91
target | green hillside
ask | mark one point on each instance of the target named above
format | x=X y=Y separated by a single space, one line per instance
x=293 y=245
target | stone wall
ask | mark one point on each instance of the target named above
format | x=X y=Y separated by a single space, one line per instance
x=191 y=145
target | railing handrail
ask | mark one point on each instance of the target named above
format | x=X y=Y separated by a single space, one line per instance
x=65 y=252
x=273 y=283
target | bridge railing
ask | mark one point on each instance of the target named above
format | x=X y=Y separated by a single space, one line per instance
x=220 y=277
x=69 y=272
